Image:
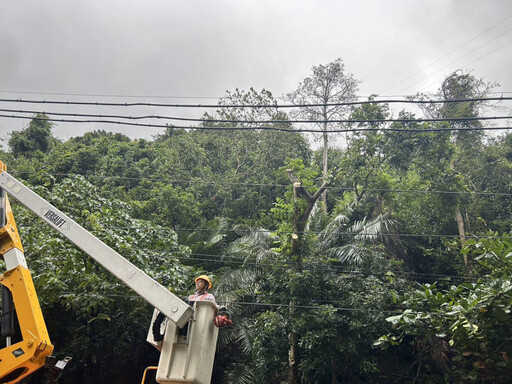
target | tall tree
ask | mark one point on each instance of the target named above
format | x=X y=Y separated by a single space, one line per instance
x=36 y=137
x=329 y=84
x=250 y=156
x=276 y=271
x=459 y=86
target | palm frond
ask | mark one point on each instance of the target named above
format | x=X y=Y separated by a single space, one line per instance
x=241 y=373
x=368 y=231
x=332 y=232
x=255 y=246
x=350 y=253
x=235 y=284
x=318 y=219
x=211 y=237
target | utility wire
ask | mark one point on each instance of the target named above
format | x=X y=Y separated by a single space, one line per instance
x=305 y=266
x=341 y=309
x=238 y=121
x=446 y=39
x=176 y=97
x=348 y=103
x=316 y=267
x=420 y=35
x=266 y=185
x=272 y=305
x=341 y=233
x=454 y=61
x=326 y=305
x=279 y=231
x=291 y=130
x=322 y=305
x=487 y=54
x=255 y=304
x=320 y=267
x=316 y=307
x=480 y=58
x=452 y=51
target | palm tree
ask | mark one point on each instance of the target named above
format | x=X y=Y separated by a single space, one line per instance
x=258 y=265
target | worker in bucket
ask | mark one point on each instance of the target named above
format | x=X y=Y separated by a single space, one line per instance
x=203 y=283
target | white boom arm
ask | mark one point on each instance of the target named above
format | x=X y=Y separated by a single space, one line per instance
x=153 y=292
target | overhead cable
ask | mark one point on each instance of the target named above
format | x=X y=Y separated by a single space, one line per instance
x=445 y=40
x=454 y=61
x=322 y=305
x=266 y=185
x=381 y=63
x=264 y=121
x=348 y=103
x=341 y=233
x=288 y=130
x=120 y=96
x=318 y=267
x=452 y=51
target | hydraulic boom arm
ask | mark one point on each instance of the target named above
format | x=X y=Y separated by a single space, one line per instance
x=153 y=292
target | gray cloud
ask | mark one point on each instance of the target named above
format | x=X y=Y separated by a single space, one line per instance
x=203 y=47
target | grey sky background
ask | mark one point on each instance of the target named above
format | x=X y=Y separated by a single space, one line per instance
x=192 y=51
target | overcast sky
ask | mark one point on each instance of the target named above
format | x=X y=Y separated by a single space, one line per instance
x=191 y=50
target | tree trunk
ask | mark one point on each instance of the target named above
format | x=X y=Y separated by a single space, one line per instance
x=324 y=159
x=377 y=206
x=334 y=380
x=460 y=223
x=462 y=232
x=300 y=219
x=293 y=364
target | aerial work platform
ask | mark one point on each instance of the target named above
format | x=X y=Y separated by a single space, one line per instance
x=186 y=356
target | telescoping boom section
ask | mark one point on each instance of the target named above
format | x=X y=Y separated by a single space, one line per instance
x=20 y=359
x=154 y=293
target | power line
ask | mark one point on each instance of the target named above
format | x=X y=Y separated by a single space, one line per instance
x=323 y=305
x=239 y=121
x=341 y=309
x=487 y=54
x=289 y=232
x=168 y=96
x=348 y=103
x=449 y=53
x=272 y=305
x=327 y=304
x=316 y=307
x=266 y=185
x=312 y=267
x=480 y=58
x=447 y=38
x=341 y=233
x=329 y=267
x=454 y=61
x=420 y=35
x=291 y=130
x=255 y=304
x=305 y=266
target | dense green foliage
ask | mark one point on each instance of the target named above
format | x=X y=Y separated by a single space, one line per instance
x=403 y=277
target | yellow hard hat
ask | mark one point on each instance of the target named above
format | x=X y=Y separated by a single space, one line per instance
x=205 y=278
